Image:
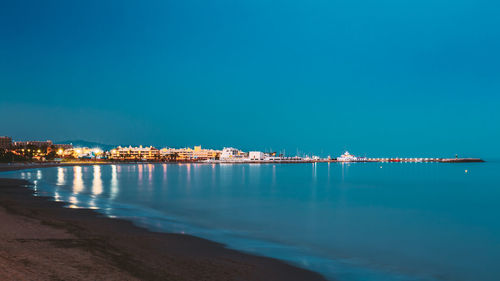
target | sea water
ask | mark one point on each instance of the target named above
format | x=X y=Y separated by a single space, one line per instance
x=357 y=221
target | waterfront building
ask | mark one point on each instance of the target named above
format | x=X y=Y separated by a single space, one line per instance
x=39 y=144
x=168 y=153
x=205 y=154
x=256 y=155
x=62 y=146
x=60 y=149
x=31 y=149
x=232 y=154
x=189 y=154
x=135 y=153
x=5 y=142
x=80 y=153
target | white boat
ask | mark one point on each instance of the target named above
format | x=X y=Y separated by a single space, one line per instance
x=347 y=157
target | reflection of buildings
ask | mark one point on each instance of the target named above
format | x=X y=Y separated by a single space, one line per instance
x=60 y=176
x=114 y=182
x=78 y=185
x=97 y=181
x=135 y=153
x=186 y=154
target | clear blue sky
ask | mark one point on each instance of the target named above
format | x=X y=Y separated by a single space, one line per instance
x=381 y=78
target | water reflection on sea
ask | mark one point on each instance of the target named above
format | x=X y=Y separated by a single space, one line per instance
x=358 y=221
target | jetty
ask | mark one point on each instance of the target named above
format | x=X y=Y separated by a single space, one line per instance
x=347 y=157
x=461 y=160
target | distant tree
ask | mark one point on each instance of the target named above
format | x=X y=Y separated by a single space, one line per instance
x=7 y=156
x=51 y=155
x=174 y=156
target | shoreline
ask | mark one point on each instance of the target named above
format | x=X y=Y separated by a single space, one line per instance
x=41 y=239
x=35 y=165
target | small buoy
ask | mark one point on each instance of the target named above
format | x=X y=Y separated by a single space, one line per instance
x=380 y=167
x=466 y=171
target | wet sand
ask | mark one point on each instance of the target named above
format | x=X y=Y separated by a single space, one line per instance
x=42 y=240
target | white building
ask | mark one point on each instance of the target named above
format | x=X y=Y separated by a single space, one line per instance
x=256 y=155
x=231 y=154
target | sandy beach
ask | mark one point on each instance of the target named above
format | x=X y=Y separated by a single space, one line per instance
x=42 y=240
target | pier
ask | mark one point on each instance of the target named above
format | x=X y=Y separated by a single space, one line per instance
x=347 y=157
x=415 y=160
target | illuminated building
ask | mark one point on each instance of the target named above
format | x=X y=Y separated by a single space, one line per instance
x=135 y=153
x=5 y=142
x=256 y=155
x=46 y=143
x=60 y=149
x=187 y=154
x=232 y=154
x=80 y=152
x=58 y=146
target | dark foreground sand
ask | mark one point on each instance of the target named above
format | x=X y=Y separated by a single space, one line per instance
x=41 y=240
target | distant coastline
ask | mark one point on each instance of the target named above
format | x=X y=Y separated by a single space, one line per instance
x=47 y=164
x=47 y=151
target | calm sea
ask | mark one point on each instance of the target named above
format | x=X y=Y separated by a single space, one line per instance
x=358 y=221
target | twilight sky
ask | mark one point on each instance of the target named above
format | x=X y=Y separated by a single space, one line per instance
x=380 y=78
